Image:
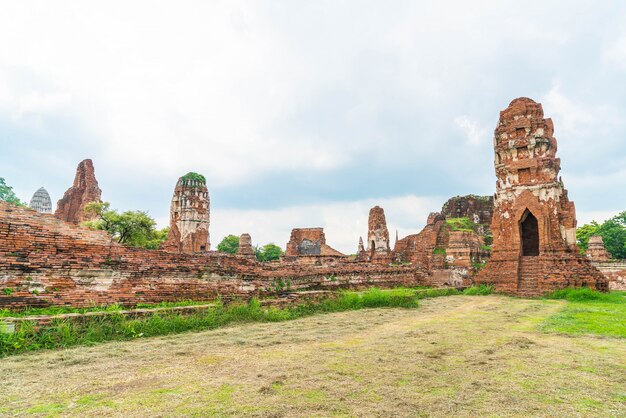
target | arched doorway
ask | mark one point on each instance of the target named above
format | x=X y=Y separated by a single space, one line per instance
x=529 y=231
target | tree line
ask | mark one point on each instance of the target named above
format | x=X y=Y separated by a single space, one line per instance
x=267 y=252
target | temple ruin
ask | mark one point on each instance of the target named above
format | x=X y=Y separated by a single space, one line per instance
x=71 y=207
x=41 y=201
x=378 y=249
x=308 y=246
x=526 y=234
x=189 y=216
x=596 y=250
x=534 y=222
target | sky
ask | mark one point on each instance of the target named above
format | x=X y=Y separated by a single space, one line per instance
x=307 y=113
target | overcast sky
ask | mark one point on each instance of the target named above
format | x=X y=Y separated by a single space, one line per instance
x=307 y=113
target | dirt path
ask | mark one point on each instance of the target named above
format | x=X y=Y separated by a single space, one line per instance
x=461 y=356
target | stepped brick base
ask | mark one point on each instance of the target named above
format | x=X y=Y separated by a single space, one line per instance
x=534 y=276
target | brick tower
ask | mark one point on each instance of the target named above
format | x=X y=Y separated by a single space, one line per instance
x=189 y=216
x=534 y=223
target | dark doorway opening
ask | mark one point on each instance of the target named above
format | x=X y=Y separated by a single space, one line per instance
x=529 y=229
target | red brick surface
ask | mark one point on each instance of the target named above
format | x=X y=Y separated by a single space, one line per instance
x=45 y=261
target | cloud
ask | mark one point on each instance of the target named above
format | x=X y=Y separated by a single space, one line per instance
x=295 y=105
x=476 y=135
x=615 y=53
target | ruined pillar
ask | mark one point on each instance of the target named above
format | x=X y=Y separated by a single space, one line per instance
x=378 y=236
x=189 y=216
x=71 y=207
x=534 y=222
x=245 y=247
x=596 y=250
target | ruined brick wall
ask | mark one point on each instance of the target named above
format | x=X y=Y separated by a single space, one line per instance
x=309 y=242
x=189 y=217
x=614 y=271
x=439 y=246
x=477 y=208
x=534 y=223
x=84 y=191
x=45 y=261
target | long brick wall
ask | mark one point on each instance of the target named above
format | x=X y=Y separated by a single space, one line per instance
x=614 y=271
x=45 y=261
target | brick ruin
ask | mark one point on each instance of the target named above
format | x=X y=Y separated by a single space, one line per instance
x=71 y=207
x=50 y=260
x=614 y=270
x=378 y=249
x=596 y=250
x=45 y=261
x=454 y=243
x=41 y=201
x=245 y=248
x=308 y=246
x=189 y=216
x=534 y=222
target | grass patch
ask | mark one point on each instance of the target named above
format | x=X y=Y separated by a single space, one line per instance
x=588 y=312
x=66 y=333
x=585 y=294
x=481 y=290
x=59 y=310
x=461 y=224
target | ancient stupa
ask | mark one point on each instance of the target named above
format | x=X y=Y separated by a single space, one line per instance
x=189 y=216
x=41 y=201
x=534 y=222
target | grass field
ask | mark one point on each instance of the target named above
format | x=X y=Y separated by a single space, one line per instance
x=453 y=356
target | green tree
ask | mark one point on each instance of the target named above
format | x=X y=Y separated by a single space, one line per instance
x=269 y=252
x=584 y=233
x=230 y=244
x=134 y=228
x=7 y=194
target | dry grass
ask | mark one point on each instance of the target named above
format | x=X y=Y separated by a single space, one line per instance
x=454 y=356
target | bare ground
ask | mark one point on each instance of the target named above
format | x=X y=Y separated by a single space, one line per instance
x=454 y=356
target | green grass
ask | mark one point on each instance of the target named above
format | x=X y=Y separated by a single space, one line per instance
x=461 y=224
x=481 y=290
x=589 y=312
x=58 y=310
x=66 y=333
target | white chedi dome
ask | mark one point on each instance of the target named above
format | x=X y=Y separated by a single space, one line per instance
x=41 y=201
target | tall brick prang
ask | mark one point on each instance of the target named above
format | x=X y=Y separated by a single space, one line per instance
x=189 y=216
x=71 y=208
x=534 y=222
